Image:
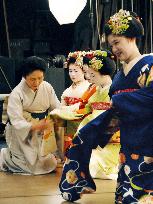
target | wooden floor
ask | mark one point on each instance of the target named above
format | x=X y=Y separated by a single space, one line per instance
x=19 y=189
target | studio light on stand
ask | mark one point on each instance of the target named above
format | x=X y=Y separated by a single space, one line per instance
x=66 y=11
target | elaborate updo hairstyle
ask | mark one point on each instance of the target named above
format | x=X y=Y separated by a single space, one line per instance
x=101 y=61
x=86 y=60
x=109 y=65
x=32 y=64
x=124 y=23
x=75 y=58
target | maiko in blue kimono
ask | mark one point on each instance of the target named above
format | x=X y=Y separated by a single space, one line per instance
x=132 y=105
x=135 y=178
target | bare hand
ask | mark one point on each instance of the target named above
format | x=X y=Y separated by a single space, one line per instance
x=41 y=125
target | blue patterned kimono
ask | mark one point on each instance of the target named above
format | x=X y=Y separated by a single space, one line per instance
x=135 y=178
x=134 y=108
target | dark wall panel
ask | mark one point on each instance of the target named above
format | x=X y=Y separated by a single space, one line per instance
x=7 y=75
x=55 y=76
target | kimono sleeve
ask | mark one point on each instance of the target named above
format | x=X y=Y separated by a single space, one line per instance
x=96 y=132
x=63 y=103
x=15 y=114
x=55 y=103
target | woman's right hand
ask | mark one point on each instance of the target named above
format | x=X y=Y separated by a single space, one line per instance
x=41 y=125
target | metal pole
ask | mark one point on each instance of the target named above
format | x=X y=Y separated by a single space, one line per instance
x=92 y=23
x=132 y=5
x=122 y=4
x=6 y=28
x=90 y=4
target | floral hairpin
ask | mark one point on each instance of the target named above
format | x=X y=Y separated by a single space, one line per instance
x=89 y=54
x=100 y=53
x=78 y=55
x=119 y=22
x=96 y=58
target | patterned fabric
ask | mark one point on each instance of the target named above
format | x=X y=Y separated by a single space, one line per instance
x=76 y=178
x=74 y=93
x=100 y=105
x=135 y=181
x=102 y=164
x=124 y=91
x=132 y=185
x=135 y=178
x=71 y=100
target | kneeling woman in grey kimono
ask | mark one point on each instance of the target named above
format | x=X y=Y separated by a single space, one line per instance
x=31 y=98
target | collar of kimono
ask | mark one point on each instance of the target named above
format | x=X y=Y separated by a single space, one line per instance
x=101 y=89
x=27 y=88
x=129 y=66
x=90 y=91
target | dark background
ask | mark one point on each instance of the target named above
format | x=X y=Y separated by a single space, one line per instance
x=29 y=28
x=32 y=26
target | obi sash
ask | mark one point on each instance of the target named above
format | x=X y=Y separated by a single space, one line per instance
x=71 y=100
x=124 y=91
x=100 y=105
x=40 y=115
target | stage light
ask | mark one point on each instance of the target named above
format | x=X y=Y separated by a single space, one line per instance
x=66 y=11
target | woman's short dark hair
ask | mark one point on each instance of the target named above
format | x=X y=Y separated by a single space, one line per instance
x=32 y=64
x=133 y=28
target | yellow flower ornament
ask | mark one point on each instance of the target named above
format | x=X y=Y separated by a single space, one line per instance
x=119 y=22
x=78 y=55
x=100 y=53
x=96 y=62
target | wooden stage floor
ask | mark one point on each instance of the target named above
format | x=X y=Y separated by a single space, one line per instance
x=43 y=189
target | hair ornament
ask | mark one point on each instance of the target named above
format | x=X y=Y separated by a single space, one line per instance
x=78 y=56
x=96 y=58
x=119 y=22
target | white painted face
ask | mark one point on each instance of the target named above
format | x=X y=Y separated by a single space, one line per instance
x=121 y=46
x=76 y=73
x=86 y=72
x=95 y=77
